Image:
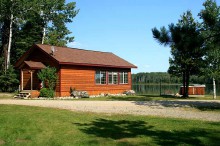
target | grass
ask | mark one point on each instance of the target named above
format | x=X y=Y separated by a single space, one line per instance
x=148 y=98
x=22 y=125
x=5 y=95
x=131 y=98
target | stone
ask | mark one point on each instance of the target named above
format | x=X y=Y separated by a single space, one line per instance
x=129 y=92
x=79 y=94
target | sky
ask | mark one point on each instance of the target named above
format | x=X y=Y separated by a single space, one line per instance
x=123 y=27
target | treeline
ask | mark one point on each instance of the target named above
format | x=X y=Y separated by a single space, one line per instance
x=166 y=78
x=24 y=23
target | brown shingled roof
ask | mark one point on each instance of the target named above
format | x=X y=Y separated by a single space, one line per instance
x=65 y=55
x=34 y=65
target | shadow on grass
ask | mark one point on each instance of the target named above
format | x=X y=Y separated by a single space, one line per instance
x=124 y=129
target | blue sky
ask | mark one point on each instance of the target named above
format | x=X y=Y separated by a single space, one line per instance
x=123 y=27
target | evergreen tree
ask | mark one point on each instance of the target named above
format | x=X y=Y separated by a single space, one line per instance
x=211 y=32
x=8 y=80
x=186 y=47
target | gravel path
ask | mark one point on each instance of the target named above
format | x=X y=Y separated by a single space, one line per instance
x=177 y=109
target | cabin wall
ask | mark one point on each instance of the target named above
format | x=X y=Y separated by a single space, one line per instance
x=39 y=56
x=27 y=79
x=83 y=79
x=57 y=88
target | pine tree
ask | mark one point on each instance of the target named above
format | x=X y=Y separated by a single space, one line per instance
x=186 y=47
x=211 y=32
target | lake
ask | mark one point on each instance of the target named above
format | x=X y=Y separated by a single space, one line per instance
x=166 y=89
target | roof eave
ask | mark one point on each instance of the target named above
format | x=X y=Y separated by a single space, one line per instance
x=96 y=65
x=23 y=57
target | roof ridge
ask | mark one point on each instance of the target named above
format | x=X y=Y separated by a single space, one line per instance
x=75 y=48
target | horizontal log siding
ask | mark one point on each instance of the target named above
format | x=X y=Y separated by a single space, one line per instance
x=83 y=79
x=57 y=88
x=26 y=80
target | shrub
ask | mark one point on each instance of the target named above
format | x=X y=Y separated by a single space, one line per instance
x=49 y=76
x=8 y=80
x=45 y=92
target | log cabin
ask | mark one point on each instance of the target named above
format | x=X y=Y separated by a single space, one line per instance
x=85 y=70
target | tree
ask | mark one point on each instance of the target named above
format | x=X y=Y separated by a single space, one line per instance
x=186 y=43
x=8 y=80
x=23 y=23
x=10 y=12
x=211 y=32
x=55 y=14
x=51 y=16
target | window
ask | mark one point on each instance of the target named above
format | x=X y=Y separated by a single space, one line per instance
x=100 y=77
x=112 y=77
x=123 y=77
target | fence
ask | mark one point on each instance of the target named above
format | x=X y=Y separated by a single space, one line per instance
x=167 y=89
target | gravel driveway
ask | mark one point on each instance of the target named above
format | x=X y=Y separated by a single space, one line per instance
x=177 y=109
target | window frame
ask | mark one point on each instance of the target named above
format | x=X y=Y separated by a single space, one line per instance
x=113 y=73
x=123 y=73
x=121 y=76
x=100 y=78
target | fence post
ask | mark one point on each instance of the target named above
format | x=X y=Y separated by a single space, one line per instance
x=160 y=87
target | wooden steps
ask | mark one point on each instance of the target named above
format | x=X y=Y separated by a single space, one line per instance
x=23 y=95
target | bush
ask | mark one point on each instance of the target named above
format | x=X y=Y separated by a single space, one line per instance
x=48 y=75
x=45 y=92
x=8 y=80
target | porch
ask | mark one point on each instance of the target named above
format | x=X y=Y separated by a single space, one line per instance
x=29 y=82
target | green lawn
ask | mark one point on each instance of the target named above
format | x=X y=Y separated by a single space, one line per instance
x=149 y=98
x=21 y=125
x=6 y=95
x=129 y=98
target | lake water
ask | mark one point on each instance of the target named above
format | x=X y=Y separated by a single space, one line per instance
x=167 y=89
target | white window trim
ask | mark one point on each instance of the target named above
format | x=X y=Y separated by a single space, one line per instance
x=123 y=77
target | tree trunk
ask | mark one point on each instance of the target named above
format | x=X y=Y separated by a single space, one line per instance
x=184 y=84
x=214 y=89
x=187 y=84
x=5 y=52
x=9 y=42
x=44 y=28
x=44 y=33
